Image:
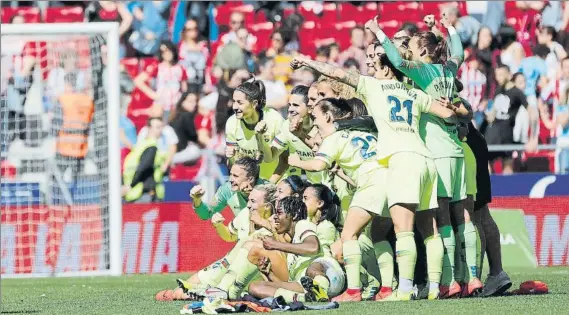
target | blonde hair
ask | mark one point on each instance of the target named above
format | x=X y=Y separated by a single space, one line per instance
x=341 y=90
x=270 y=191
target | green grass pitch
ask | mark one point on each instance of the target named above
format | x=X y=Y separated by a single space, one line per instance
x=135 y=295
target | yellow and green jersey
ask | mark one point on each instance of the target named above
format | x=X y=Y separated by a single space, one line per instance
x=437 y=80
x=242 y=226
x=354 y=152
x=238 y=135
x=224 y=197
x=287 y=141
x=396 y=110
x=327 y=234
x=297 y=264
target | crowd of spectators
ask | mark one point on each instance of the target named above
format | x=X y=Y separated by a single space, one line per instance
x=182 y=61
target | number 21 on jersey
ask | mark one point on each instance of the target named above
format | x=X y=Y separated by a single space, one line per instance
x=395 y=113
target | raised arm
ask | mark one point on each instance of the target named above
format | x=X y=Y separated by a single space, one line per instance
x=455 y=44
x=205 y=211
x=336 y=73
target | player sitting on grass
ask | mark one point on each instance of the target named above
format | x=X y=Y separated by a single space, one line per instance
x=354 y=152
x=324 y=277
x=241 y=229
x=266 y=255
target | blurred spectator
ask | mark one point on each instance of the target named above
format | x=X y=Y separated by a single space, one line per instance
x=546 y=36
x=551 y=11
x=487 y=54
x=170 y=79
x=466 y=26
x=511 y=51
x=145 y=165
x=167 y=140
x=193 y=53
x=495 y=16
x=277 y=97
x=281 y=58
x=230 y=56
x=410 y=28
x=561 y=122
x=229 y=81
x=150 y=26
x=67 y=67
x=370 y=37
x=356 y=50
x=182 y=121
x=522 y=117
x=351 y=65
x=109 y=11
x=502 y=117
x=236 y=22
x=322 y=53
x=289 y=29
x=334 y=54
x=533 y=68
x=475 y=87
x=72 y=118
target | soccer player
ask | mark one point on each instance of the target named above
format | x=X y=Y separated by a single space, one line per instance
x=436 y=76
x=498 y=280
x=291 y=220
x=252 y=127
x=244 y=175
x=396 y=111
x=242 y=228
x=291 y=186
x=354 y=152
x=294 y=134
x=324 y=277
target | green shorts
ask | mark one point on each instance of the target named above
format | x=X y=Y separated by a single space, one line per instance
x=451 y=182
x=470 y=170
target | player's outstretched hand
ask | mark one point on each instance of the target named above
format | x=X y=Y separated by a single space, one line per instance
x=298 y=62
x=446 y=102
x=261 y=127
x=445 y=21
x=217 y=219
x=197 y=192
x=429 y=20
x=372 y=25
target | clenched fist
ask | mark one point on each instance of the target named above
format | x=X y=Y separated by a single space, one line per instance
x=429 y=20
x=217 y=219
x=197 y=192
x=261 y=127
x=230 y=151
x=445 y=21
x=298 y=62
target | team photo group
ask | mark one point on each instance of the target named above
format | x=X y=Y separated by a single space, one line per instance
x=375 y=186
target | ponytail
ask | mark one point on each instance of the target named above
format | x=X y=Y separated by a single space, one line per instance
x=255 y=91
x=331 y=209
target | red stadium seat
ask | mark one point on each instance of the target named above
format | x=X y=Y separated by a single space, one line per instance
x=329 y=14
x=542 y=161
x=131 y=66
x=263 y=33
x=307 y=37
x=390 y=27
x=30 y=14
x=182 y=172
x=402 y=11
x=360 y=14
x=7 y=170
x=64 y=15
x=224 y=13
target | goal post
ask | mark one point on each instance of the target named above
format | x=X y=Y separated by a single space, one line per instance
x=61 y=216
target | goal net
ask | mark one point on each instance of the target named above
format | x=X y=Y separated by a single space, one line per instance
x=60 y=160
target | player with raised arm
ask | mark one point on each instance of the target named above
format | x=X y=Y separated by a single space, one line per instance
x=431 y=72
x=252 y=127
x=411 y=173
x=354 y=152
x=261 y=203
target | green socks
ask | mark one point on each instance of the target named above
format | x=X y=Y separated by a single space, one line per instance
x=323 y=282
x=406 y=251
x=240 y=273
x=449 y=244
x=384 y=255
x=470 y=249
x=435 y=253
x=353 y=260
x=290 y=296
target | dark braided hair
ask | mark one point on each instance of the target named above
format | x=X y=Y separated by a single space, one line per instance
x=331 y=209
x=255 y=91
x=296 y=184
x=251 y=166
x=293 y=206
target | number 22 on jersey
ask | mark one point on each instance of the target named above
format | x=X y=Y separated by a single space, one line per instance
x=395 y=114
x=365 y=144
